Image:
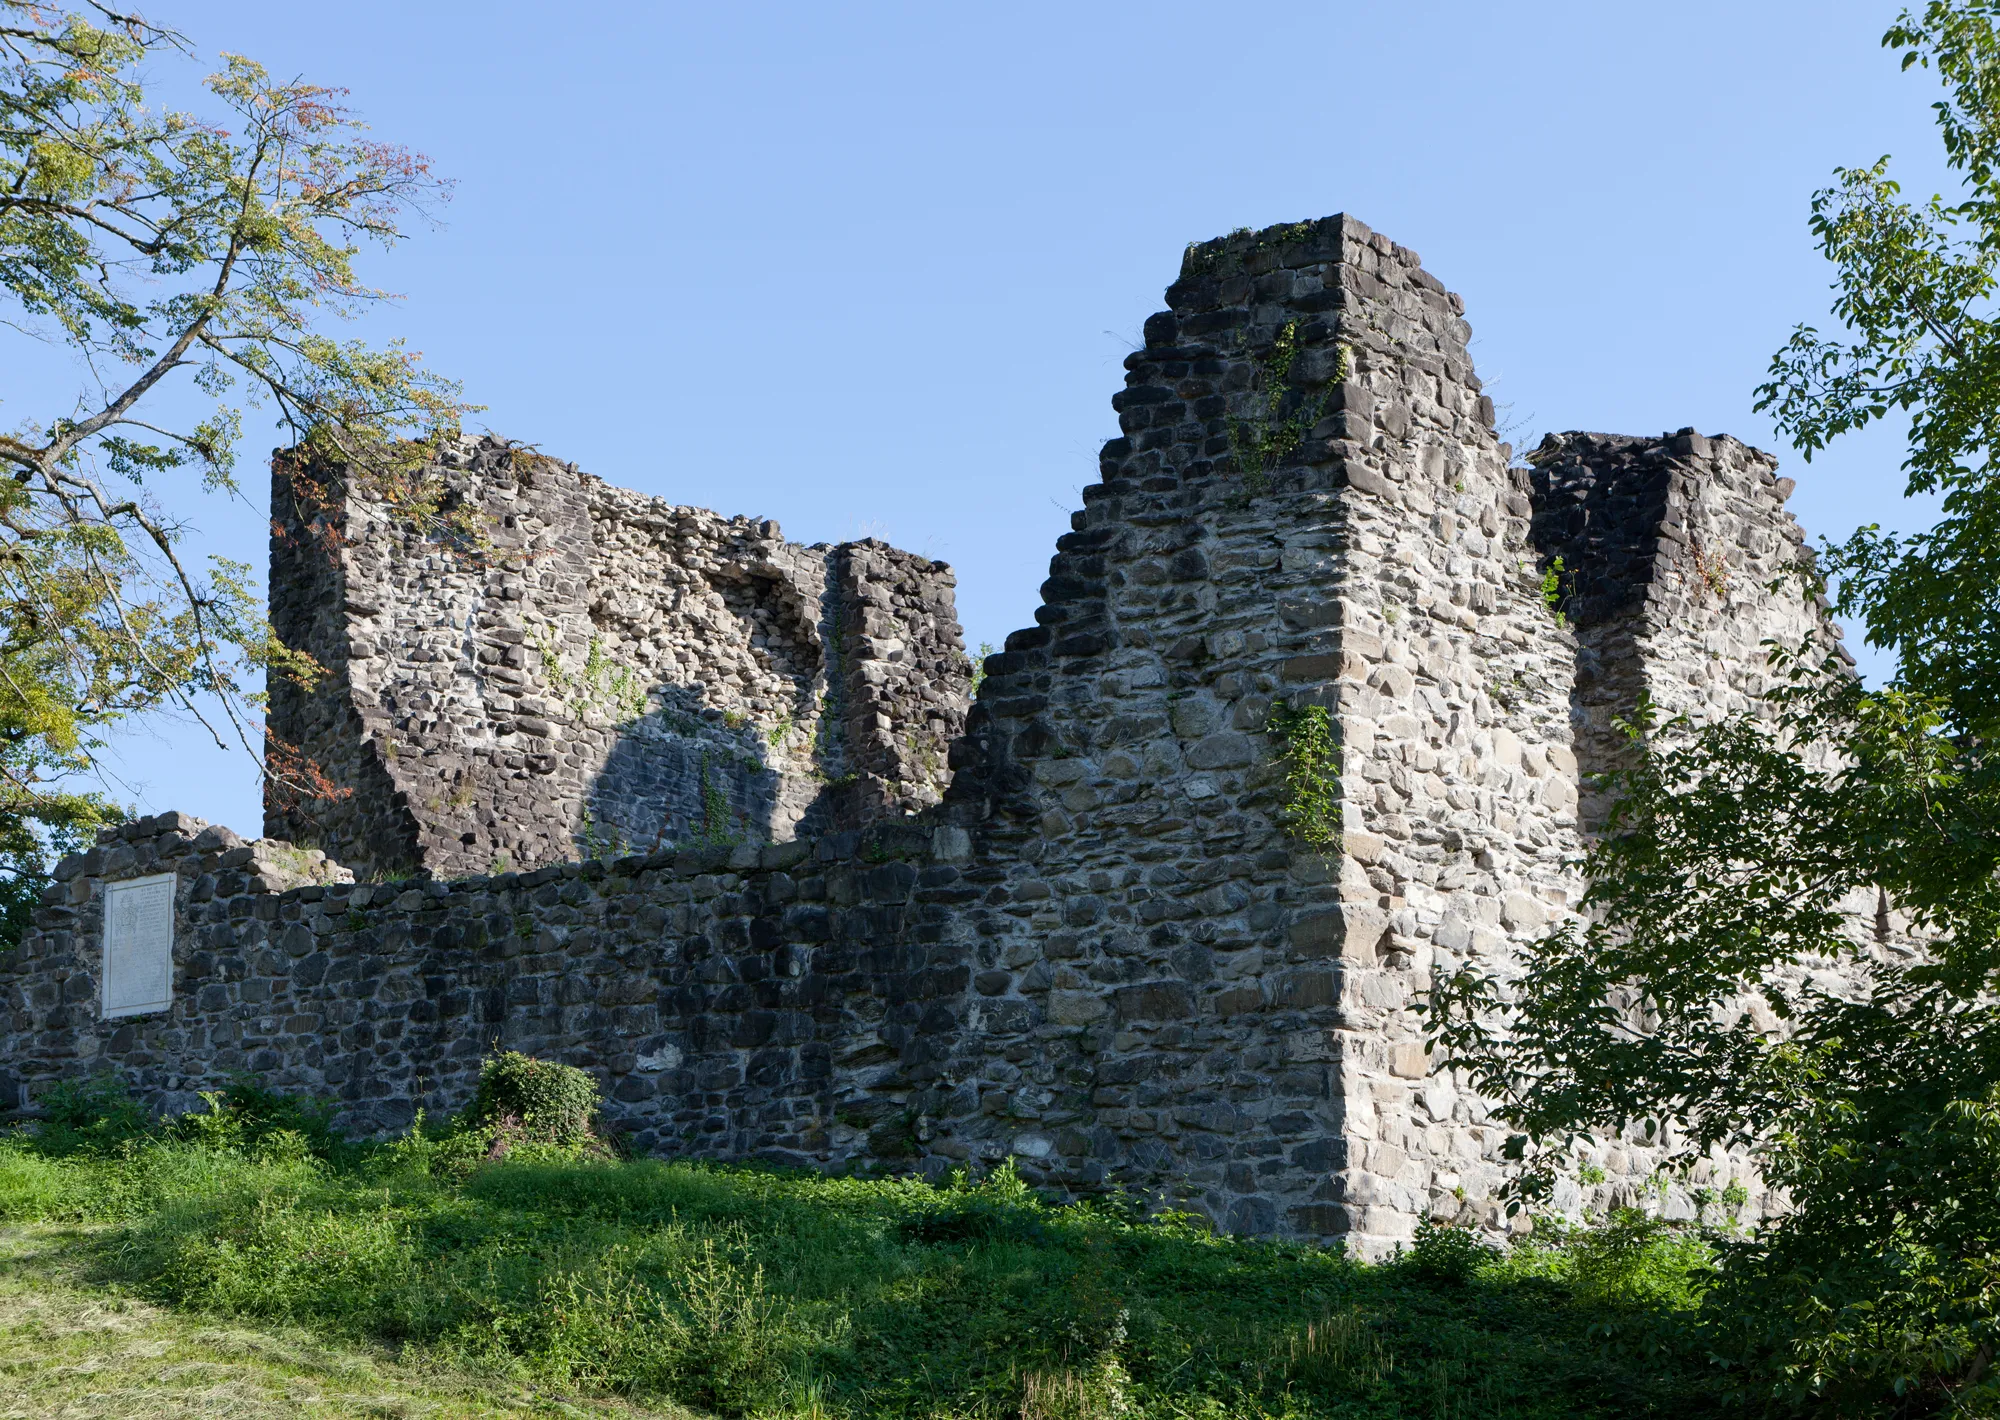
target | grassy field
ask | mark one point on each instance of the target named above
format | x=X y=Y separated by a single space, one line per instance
x=229 y=1270
x=70 y=1350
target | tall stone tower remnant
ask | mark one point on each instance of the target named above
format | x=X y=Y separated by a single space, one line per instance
x=704 y=811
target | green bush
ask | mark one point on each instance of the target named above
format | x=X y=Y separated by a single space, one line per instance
x=1446 y=1252
x=249 y=1119
x=1634 y=1261
x=1002 y=1208
x=90 y=1115
x=545 y=1102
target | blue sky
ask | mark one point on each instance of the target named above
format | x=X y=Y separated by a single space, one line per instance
x=870 y=269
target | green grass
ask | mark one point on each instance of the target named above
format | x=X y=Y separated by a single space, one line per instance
x=73 y=1351
x=410 y=1272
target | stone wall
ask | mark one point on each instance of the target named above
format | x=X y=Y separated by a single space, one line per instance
x=748 y=1001
x=1674 y=560
x=546 y=667
x=1109 y=951
x=1203 y=1002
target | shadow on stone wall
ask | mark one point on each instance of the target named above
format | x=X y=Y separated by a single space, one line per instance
x=674 y=780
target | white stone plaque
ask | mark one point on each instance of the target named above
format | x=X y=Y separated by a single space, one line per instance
x=139 y=945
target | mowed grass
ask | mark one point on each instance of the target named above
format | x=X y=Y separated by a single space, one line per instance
x=70 y=1351
x=226 y=1274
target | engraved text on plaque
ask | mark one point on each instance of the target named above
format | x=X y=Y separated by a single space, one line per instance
x=139 y=945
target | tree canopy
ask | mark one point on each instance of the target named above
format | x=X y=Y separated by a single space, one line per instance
x=190 y=266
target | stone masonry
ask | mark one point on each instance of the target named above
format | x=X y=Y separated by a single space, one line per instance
x=1662 y=553
x=558 y=667
x=700 y=810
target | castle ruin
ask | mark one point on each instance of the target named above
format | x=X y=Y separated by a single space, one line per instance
x=714 y=816
x=591 y=672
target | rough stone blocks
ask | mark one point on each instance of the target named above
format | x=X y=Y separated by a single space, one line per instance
x=704 y=811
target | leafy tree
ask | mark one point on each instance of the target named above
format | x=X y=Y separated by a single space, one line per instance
x=190 y=265
x=1841 y=825
x=29 y=849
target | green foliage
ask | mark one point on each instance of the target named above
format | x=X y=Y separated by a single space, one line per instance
x=1740 y=850
x=720 y=826
x=1261 y=445
x=246 y=1118
x=1312 y=774
x=1206 y=258
x=32 y=843
x=1914 y=283
x=744 y=1292
x=550 y=1102
x=598 y=684
x=1637 y=1262
x=978 y=673
x=188 y=264
x=1730 y=856
x=1447 y=1252
x=1552 y=590
x=93 y=1115
x=597 y=846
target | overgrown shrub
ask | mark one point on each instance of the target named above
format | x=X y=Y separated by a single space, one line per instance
x=1637 y=1260
x=1000 y=1208
x=249 y=1119
x=525 y=1109
x=548 y=1102
x=1446 y=1252
x=89 y=1116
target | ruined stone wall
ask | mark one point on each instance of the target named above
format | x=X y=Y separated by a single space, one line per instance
x=1174 y=993
x=1679 y=568
x=1675 y=561
x=547 y=667
x=1112 y=951
x=904 y=682
x=744 y=1002
x=1453 y=693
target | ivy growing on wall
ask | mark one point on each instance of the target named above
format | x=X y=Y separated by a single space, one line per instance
x=1260 y=444
x=600 y=684
x=718 y=825
x=1552 y=590
x=1312 y=774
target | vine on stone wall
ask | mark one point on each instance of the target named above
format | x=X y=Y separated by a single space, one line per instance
x=1261 y=444
x=597 y=845
x=1312 y=774
x=614 y=689
x=718 y=826
x=1552 y=590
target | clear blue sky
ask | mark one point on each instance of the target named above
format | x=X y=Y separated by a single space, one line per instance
x=870 y=269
